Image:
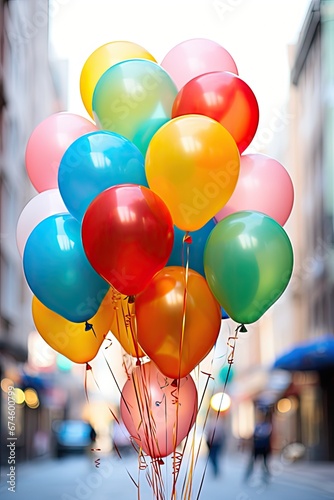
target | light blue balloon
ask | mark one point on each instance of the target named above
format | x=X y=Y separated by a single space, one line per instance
x=199 y=238
x=94 y=162
x=58 y=272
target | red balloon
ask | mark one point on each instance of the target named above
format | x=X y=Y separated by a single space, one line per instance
x=158 y=411
x=127 y=235
x=225 y=97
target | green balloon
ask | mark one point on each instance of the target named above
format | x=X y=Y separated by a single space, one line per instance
x=248 y=262
x=134 y=98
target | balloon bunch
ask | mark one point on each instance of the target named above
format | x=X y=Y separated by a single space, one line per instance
x=151 y=220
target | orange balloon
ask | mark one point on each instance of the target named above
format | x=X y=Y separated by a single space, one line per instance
x=192 y=163
x=161 y=309
x=124 y=326
x=74 y=340
x=157 y=412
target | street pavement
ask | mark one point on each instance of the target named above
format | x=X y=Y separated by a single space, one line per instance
x=111 y=478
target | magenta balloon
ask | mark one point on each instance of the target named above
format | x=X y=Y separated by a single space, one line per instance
x=47 y=144
x=264 y=186
x=195 y=57
x=157 y=411
x=40 y=207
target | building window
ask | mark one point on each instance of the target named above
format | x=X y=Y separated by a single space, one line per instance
x=9 y=289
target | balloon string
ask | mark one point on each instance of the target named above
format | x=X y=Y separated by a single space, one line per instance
x=88 y=327
x=142 y=395
x=186 y=239
x=187 y=487
x=125 y=316
x=129 y=318
x=193 y=460
x=97 y=462
x=231 y=342
x=187 y=483
x=118 y=387
x=128 y=321
x=89 y=368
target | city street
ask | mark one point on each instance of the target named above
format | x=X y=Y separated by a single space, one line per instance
x=77 y=478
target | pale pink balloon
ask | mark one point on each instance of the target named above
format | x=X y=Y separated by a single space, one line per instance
x=40 y=207
x=196 y=57
x=264 y=185
x=47 y=144
x=157 y=411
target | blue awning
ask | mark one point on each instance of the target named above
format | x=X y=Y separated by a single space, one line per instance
x=316 y=354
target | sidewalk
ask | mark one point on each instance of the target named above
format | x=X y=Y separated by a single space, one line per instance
x=77 y=478
x=315 y=474
x=300 y=480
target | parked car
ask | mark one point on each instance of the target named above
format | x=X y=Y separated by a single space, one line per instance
x=72 y=437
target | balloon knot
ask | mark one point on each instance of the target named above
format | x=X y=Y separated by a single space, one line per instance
x=243 y=329
x=188 y=239
x=174 y=383
x=88 y=367
x=160 y=461
x=138 y=362
x=131 y=299
x=88 y=326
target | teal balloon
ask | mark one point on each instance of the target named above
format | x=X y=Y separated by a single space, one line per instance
x=248 y=262
x=94 y=162
x=134 y=98
x=58 y=272
x=178 y=257
x=226 y=374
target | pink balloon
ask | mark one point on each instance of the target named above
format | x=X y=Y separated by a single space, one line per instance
x=157 y=411
x=264 y=185
x=195 y=57
x=47 y=144
x=37 y=209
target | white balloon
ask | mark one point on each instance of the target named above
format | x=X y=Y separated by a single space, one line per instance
x=40 y=207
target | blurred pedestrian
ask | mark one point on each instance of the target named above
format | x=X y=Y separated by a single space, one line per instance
x=215 y=437
x=261 y=446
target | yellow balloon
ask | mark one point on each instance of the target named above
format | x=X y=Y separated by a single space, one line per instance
x=124 y=326
x=193 y=164
x=74 y=340
x=101 y=60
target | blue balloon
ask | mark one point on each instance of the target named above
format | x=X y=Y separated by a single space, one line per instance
x=94 y=162
x=224 y=313
x=58 y=272
x=178 y=256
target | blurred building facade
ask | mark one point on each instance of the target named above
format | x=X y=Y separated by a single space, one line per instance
x=301 y=401
x=312 y=155
x=28 y=94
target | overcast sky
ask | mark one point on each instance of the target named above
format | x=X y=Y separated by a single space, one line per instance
x=255 y=32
